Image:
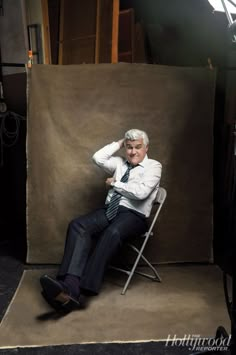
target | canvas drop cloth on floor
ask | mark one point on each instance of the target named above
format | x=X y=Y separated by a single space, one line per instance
x=189 y=301
x=76 y=109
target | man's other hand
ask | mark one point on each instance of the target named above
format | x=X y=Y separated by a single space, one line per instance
x=109 y=181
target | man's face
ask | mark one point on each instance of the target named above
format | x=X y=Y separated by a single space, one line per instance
x=135 y=151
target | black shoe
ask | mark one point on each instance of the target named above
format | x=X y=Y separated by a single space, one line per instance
x=53 y=289
x=53 y=303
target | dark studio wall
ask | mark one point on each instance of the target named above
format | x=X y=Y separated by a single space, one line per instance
x=13 y=166
x=182 y=33
x=13 y=158
x=177 y=32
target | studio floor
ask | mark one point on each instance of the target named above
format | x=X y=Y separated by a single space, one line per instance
x=189 y=302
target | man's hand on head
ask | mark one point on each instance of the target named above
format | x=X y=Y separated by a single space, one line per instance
x=109 y=181
x=121 y=142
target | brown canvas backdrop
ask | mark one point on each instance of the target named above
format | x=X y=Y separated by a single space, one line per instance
x=76 y=109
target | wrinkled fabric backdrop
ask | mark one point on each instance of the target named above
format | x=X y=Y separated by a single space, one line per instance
x=74 y=110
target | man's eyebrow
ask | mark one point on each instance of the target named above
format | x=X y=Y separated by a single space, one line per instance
x=137 y=145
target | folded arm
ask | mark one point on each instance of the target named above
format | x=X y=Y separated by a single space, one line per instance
x=140 y=189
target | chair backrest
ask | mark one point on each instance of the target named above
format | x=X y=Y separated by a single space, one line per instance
x=160 y=199
x=161 y=195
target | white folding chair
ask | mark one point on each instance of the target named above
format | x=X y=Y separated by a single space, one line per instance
x=158 y=203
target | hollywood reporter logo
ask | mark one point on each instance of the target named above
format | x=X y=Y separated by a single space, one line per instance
x=195 y=342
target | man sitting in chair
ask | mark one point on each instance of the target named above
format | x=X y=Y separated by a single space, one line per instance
x=132 y=190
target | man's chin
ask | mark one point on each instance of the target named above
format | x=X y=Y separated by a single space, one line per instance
x=134 y=161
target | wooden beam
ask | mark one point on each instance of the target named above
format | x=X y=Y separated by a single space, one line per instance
x=46 y=33
x=61 y=31
x=115 y=31
x=132 y=34
x=98 y=27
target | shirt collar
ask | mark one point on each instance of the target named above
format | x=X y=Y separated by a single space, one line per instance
x=142 y=163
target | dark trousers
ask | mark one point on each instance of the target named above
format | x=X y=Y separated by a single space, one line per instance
x=82 y=258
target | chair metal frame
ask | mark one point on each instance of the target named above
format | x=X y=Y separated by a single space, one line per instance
x=159 y=201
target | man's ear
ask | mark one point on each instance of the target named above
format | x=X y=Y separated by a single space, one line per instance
x=147 y=146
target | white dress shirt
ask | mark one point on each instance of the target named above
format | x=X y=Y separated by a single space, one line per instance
x=144 y=179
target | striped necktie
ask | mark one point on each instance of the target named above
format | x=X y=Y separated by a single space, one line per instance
x=116 y=197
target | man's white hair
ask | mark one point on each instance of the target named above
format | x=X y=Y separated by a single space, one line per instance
x=134 y=134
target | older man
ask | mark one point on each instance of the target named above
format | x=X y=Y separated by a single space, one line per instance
x=132 y=190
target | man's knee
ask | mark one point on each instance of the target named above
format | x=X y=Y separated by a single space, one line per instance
x=74 y=224
x=112 y=236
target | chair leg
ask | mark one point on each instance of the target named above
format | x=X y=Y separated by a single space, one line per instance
x=128 y=272
x=127 y=281
x=156 y=275
x=133 y=270
x=119 y=269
